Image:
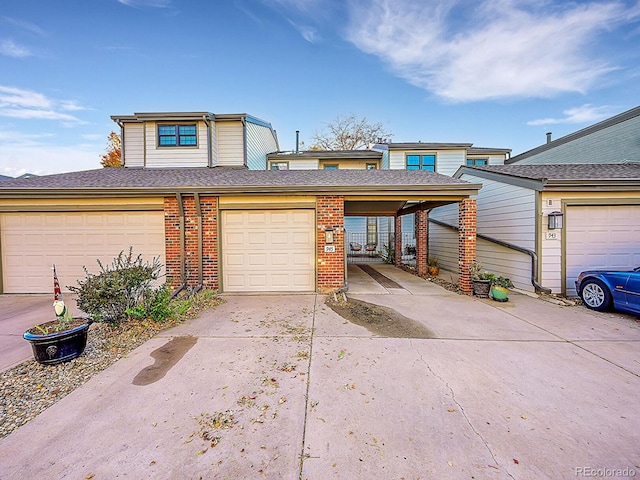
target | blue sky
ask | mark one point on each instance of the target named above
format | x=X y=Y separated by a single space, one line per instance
x=495 y=73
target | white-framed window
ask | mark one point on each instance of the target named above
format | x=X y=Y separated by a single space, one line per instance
x=278 y=165
x=178 y=135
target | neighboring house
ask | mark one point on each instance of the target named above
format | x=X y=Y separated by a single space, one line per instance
x=195 y=139
x=615 y=140
x=195 y=190
x=599 y=206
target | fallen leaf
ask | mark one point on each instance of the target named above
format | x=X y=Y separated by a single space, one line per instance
x=451 y=410
x=341 y=354
x=90 y=476
x=523 y=416
x=450 y=463
x=516 y=461
x=153 y=462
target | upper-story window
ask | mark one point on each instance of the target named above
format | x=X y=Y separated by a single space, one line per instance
x=331 y=167
x=177 y=135
x=372 y=166
x=278 y=165
x=422 y=162
x=477 y=161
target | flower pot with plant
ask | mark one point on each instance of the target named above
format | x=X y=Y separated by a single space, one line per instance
x=481 y=279
x=433 y=266
x=61 y=339
x=500 y=289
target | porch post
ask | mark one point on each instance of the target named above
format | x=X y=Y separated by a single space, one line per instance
x=422 y=220
x=466 y=242
x=330 y=261
x=398 y=240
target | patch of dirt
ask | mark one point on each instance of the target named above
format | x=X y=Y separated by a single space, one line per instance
x=379 y=320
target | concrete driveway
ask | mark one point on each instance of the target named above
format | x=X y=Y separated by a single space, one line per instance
x=524 y=390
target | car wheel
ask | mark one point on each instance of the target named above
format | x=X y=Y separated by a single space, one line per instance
x=595 y=295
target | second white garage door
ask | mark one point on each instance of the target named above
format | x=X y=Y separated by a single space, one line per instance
x=268 y=251
x=601 y=237
x=32 y=242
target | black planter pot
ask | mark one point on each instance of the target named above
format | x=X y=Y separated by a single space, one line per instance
x=58 y=347
x=481 y=288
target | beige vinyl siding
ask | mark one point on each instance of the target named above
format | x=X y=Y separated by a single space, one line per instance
x=134 y=145
x=260 y=142
x=306 y=164
x=448 y=161
x=175 y=156
x=230 y=144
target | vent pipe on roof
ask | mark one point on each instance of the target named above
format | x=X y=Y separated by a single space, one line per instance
x=297 y=141
x=548 y=137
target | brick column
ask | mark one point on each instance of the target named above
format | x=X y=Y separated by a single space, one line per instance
x=398 y=240
x=330 y=265
x=422 y=233
x=466 y=243
x=173 y=234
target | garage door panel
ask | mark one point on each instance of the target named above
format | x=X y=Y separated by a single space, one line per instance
x=599 y=237
x=277 y=248
x=32 y=242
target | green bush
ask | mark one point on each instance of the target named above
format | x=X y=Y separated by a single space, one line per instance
x=388 y=255
x=123 y=285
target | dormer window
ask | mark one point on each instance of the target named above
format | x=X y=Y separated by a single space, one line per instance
x=422 y=162
x=177 y=135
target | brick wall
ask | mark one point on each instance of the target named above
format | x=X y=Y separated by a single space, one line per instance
x=466 y=242
x=210 y=250
x=422 y=239
x=398 y=240
x=330 y=266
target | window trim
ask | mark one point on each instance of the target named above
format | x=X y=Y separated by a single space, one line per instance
x=420 y=164
x=273 y=163
x=177 y=135
x=475 y=160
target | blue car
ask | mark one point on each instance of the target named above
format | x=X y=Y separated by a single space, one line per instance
x=603 y=289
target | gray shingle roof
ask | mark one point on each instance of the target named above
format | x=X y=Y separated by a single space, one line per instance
x=620 y=171
x=233 y=180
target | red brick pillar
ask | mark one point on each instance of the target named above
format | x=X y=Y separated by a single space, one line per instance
x=210 y=243
x=398 y=240
x=422 y=233
x=466 y=243
x=173 y=241
x=330 y=260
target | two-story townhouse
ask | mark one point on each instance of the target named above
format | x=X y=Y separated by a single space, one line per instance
x=196 y=190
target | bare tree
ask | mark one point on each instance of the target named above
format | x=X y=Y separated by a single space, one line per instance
x=349 y=133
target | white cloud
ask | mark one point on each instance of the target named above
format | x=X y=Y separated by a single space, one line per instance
x=9 y=48
x=146 y=3
x=465 y=51
x=585 y=114
x=29 y=27
x=310 y=34
x=30 y=105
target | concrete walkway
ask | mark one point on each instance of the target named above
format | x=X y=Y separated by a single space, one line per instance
x=525 y=389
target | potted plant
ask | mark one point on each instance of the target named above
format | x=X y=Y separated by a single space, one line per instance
x=500 y=289
x=61 y=339
x=481 y=279
x=433 y=266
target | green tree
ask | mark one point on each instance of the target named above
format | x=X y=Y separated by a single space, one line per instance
x=113 y=157
x=349 y=133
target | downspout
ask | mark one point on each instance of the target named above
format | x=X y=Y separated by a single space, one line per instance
x=207 y=122
x=531 y=253
x=183 y=276
x=196 y=197
x=244 y=141
x=121 y=125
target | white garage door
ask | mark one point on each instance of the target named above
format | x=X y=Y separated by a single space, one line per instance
x=601 y=237
x=268 y=251
x=32 y=242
